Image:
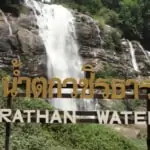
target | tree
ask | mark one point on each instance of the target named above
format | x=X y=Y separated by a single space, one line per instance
x=15 y=1
x=8 y=2
x=12 y=6
x=146 y=16
x=132 y=22
x=112 y=4
x=4 y=2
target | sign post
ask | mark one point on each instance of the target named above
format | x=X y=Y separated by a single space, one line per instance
x=148 y=126
x=8 y=126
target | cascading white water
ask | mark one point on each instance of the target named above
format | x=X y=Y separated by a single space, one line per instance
x=47 y=1
x=143 y=50
x=148 y=53
x=132 y=52
x=7 y=22
x=57 y=29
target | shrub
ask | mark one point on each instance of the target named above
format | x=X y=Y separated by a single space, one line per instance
x=110 y=16
x=91 y=137
x=107 y=73
x=101 y=22
x=12 y=8
x=112 y=38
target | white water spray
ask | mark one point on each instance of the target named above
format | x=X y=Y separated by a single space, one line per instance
x=7 y=22
x=47 y=1
x=145 y=53
x=148 y=53
x=132 y=52
x=57 y=29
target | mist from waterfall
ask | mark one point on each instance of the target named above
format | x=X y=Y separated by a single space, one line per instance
x=7 y=22
x=133 y=58
x=57 y=30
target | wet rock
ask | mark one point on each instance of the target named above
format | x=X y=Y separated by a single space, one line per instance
x=26 y=44
x=30 y=43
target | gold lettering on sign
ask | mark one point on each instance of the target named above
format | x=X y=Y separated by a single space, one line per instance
x=40 y=87
x=133 y=82
x=118 y=89
x=103 y=83
x=51 y=83
x=75 y=86
x=145 y=84
x=87 y=83
x=12 y=90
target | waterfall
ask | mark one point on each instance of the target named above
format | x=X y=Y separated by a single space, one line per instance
x=132 y=52
x=143 y=50
x=7 y=22
x=47 y=1
x=148 y=53
x=57 y=30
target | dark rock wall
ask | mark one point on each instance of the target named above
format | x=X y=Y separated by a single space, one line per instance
x=25 y=44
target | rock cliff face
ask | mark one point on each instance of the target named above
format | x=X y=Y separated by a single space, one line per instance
x=26 y=44
x=91 y=49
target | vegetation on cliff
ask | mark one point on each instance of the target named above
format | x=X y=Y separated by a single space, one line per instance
x=13 y=6
x=129 y=16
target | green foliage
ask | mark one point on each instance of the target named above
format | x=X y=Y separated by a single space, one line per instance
x=107 y=73
x=31 y=137
x=131 y=21
x=101 y=22
x=112 y=38
x=116 y=37
x=31 y=103
x=91 y=6
x=91 y=137
x=133 y=105
x=146 y=15
x=110 y=16
x=2 y=74
x=1 y=135
x=140 y=143
x=112 y=4
x=34 y=137
x=4 y=2
x=8 y=2
x=118 y=105
x=13 y=6
x=2 y=99
x=130 y=16
x=128 y=105
x=67 y=137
